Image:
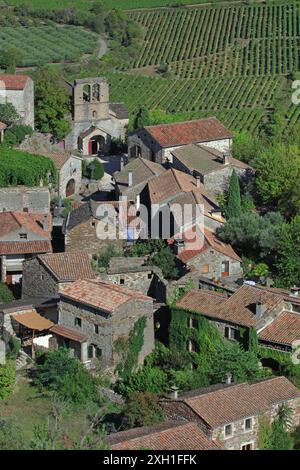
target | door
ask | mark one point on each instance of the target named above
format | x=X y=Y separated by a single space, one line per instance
x=247 y=447
x=70 y=190
x=225 y=269
x=90 y=147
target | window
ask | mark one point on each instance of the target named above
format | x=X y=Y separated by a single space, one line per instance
x=231 y=333
x=78 y=322
x=205 y=268
x=193 y=323
x=296 y=308
x=228 y=430
x=193 y=346
x=248 y=446
x=248 y=424
x=96 y=329
x=23 y=236
x=149 y=275
x=94 y=352
x=122 y=281
x=42 y=277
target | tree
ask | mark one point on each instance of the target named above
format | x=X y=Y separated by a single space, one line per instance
x=233 y=205
x=277 y=436
x=96 y=169
x=8 y=114
x=142 y=118
x=67 y=377
x=142 y=409
x=110 y=251
x=278 y=178
x=288 y=258
x=7 y=378
x=51 y=103
x=5 y=294
x=166 y=261
x=10 y=58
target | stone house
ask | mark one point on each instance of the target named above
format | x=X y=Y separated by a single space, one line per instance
x=2 y=129
x=203 y=253
x=48 y=273
x=69 y=172
x=93 y=315
x=174 y=189
x=133 y=273
x=156 y=143
x=273 y=314
x=19 y=91
x=83 y=224
x=170 y=435
x=231 y=413
x=131 y=181
x=95 y=121
x=22 y=235
x=213 y=167
x=25 y=199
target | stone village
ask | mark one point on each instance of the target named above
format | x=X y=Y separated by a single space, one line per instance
x=63 y=300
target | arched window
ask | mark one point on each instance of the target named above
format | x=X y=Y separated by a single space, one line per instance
x=96 y=92
x=86 y=93
x=95 y=115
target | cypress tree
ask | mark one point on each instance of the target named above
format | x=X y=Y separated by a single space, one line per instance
x=142 y=118
x=233 y=206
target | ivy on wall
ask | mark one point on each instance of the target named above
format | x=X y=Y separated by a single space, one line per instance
x=22 y=168
x=130 y=348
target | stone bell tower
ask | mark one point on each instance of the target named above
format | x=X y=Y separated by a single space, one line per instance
x=90 y=100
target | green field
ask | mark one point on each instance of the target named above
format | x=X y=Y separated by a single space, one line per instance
x=226 y=61
x=121 y=4
x=49 y=43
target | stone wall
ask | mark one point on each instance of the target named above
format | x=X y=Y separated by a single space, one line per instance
x=217 y=182
x=37 y=280
x=111 y=327
x=83 y=237
x=72 y=169
x=20 y=198
x=214 y=259
x=23 y=101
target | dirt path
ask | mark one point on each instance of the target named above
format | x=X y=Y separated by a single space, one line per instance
x=103 y=48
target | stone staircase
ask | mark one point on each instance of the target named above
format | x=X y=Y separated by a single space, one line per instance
x=22 y=360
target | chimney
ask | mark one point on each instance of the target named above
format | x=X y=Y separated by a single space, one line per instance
x=130 y=178
x=260 y=309
x=225 y=158
x=294 y=291
x=174 y=392
x=198 y=181
x=228 y=378
x=45 y=223
x=179 y=245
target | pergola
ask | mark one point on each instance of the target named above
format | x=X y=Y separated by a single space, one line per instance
x=32 y=325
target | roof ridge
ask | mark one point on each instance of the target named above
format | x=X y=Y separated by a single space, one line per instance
x=181 y=122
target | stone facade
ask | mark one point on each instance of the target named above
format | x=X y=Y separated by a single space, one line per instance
x=37 y=279
x=69 y=177
x=142 y=144
x=210 y=264
x=21 y=198
x=22 y=100
x=95 y=121
x=110 y=327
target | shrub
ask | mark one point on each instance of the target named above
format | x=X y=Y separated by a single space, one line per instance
x=7 y=378
x=5 y=294
x=66 y=376
x=142 y=409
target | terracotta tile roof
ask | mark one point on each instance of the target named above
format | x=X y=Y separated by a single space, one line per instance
x=25 y=247
x=238 y=309
x=170 y=183
x=142 y=170
x=107 y=297
x=163 y=436
x=33 y=321
x=235 y=402
x=193 y=238
x=284 y=329
x=69 y=333
x=203 y=301
x=13 y=82
x=286 y=294
x=2 y=126
x=59 y=159
x=205 y=159
x=68 y=266
x=33 y=222
x=188 y=132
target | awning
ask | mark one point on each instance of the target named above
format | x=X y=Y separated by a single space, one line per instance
x=69 y=333
x=33 y=321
